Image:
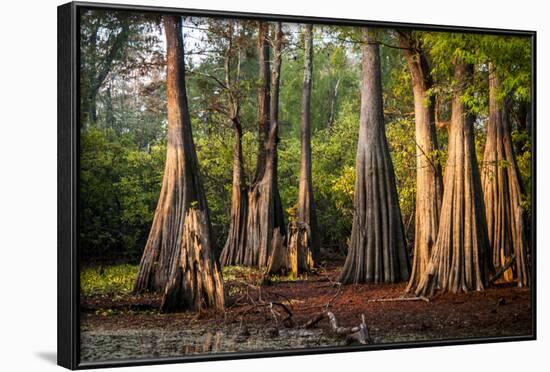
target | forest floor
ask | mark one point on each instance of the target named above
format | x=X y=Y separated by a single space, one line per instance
x=124 y=326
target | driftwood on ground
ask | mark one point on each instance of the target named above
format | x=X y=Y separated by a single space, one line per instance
x=358 y=333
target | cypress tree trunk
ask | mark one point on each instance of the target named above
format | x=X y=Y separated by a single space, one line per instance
x=178 y=257
x=458 y=261
x=303 y=238
x=429 y=187
x=234 y=248
x=265 y=213
x=263 y=98
x=233 y=251
x=274 y=118
x=377 y=252
x=502 y=191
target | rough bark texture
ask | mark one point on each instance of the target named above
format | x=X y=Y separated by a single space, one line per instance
x=261 y=221
x=429 y=183
x=265 y=212
x=303 y=238
x=502 y=192
x=377 y=252
x=459 y=257
x=178 y=257
x=279 y=260
x=195 y=282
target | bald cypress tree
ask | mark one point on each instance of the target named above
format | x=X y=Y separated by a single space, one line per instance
x=265 y=221
x=378 y=251
x=502 y=192
x=234 y=248
x=178 y=258
x=429 y=184
x=303 y=240
x=459 y=259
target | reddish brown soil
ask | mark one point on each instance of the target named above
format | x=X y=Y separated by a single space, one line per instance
x=501 y=310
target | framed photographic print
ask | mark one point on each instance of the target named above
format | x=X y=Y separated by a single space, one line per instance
x=235 y=185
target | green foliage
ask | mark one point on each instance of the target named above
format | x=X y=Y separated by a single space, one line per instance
x=333 y=68
x=401 y=137
x=234 y=273
x=120 y=185
x=524 y=163
x=215 y=160
x=333 y=153
x=343 y=188
x=107 y=280
x=289 y=170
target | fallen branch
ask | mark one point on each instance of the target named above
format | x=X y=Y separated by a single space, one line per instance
x=312 y=322
x=358 y=333
x=329 y=303
x=420 y=298
x=503 y=269
x=287 y=322
x=285 y=308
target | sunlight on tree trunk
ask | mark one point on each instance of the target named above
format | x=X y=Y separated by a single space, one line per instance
x=429 y=187
x=178 y=257
x=459 y=259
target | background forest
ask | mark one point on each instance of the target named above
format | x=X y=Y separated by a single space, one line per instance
x=123 y=120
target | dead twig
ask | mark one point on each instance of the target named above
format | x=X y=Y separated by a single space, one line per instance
x=420 y=298
x=338 y=291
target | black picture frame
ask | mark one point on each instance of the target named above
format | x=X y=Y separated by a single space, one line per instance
x=68 y=330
